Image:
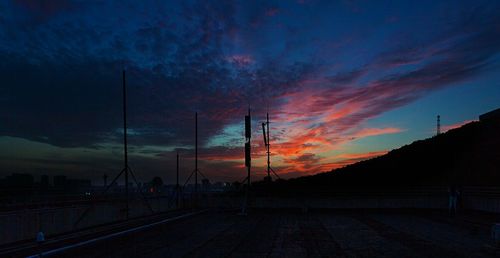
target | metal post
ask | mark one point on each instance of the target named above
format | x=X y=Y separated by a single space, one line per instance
x=249 y=166
x=125 y=150
x=438 y=130
x=177 y=184
x=196 y=156
x=268 y=149
x=125 y=170
x=248 y=158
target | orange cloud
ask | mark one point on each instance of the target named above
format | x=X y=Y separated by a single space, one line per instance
x=375 y=131
x=312 y=122
x=240 y=60
x=361 y=156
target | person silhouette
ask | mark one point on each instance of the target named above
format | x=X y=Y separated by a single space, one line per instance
x=40 y=238
x=453 y=193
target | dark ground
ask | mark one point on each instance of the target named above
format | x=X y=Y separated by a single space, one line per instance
x=313 y=234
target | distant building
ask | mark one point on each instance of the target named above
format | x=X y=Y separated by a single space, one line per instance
x=18 y=180
x=78 y=184
x=205 y=185
x=44 y=182
x=17 y=185
x=60 y=182
x=63 y=184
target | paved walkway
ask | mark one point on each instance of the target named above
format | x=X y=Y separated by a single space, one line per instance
x=315 y=234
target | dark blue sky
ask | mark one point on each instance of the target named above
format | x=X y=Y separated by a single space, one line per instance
x=343 y=81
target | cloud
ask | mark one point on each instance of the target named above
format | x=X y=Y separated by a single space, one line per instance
x=61 y=79
x=360 y=156
x=43 y=10
x=240 y=60
x=304 y=162
x=366 y=132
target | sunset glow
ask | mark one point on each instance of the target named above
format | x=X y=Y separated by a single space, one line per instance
x=342 y=82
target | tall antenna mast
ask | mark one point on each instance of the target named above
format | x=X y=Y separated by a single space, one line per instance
x=267 y=144
x=248 y=158
x=196 y=171
x=125 y=147
x=177 y=189
x=268 y=148
x=438 y=129
x=126 y=169
x=249 y=146
x=196 y=154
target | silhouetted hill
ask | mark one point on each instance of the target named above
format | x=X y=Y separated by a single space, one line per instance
x=466 y=156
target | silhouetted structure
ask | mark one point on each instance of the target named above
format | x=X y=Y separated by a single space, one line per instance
x=248 y=157
x=105 y=179
x=196 y=154
x=196 y=171
x=60 y=182
x=23 y=186
x=438 y=129
x=177 y=186
x=17 y=185
x=44 y=183
x=465 y=156
x=267 y=144
x=126 y=169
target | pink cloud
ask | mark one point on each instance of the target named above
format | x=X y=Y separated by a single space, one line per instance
x=240 y=60
x=361 y=156
x=366 y=132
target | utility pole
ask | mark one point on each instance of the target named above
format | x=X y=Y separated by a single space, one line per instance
x=126 y=169
x=268 y=148
x=248 y=158
x=125 y=147
x=196 y=158
x=248 y=138
x=267 y=144
x=177 y=189
x=196 y=171
x=438 y=129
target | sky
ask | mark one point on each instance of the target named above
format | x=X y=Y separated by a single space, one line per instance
x=343 y=81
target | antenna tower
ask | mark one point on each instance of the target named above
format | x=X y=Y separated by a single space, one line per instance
x=438 y=129
x=248 y=159
x=177 y=187
x=126 y=168
x=267 y=144
x=196 y=171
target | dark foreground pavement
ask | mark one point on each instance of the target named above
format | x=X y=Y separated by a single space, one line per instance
x=313 y=234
